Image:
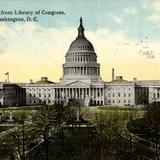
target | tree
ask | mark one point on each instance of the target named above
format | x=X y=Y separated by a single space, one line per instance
x=46 y=125
x=20 y=137
x=6 y=150
x=71 y=112
x=152 y=122
x=152 y=116
x=143 y=99
x=108 y=126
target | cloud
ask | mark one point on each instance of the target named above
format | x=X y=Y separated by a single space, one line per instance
x=146 y=4
x=153 y=6
x=130 y=11
x=32 y=38
x=154 y=18
x=32 y=51
x=156 y=6
x=117 y=19
x=126 y=12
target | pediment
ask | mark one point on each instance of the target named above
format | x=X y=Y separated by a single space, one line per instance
x=78 y=83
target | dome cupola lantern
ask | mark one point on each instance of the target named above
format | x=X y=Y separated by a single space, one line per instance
x=81 y=29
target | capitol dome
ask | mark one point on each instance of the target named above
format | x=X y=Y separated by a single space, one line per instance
x=81 y=43
x=81 y=59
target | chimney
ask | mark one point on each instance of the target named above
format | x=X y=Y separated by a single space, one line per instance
x=31 y=81
x=44 y=78
x=119 y=78
x=113 y=78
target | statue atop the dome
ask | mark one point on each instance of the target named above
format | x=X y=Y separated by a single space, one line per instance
x=81 y=29
x=81 y=21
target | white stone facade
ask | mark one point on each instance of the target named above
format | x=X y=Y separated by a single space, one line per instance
x=120 y=93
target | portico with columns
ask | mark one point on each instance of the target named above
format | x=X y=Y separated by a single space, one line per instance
x=82 y=91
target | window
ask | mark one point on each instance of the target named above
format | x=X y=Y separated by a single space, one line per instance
x=30 y=95
x=154 y=95
x=119 y=94
x=39 y=94
x=129 y=94
x=113 y=95
x=124 y=94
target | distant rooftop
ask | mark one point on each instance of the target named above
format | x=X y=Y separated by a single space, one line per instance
x=119 y=79
x=147 y=82
x=44 y=80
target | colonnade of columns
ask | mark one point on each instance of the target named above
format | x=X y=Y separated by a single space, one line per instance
x=81 y=71
x=156 y=94
x=94 y=94
x=79 y=93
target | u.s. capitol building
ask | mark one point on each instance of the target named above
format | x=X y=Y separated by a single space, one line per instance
x=81 y=80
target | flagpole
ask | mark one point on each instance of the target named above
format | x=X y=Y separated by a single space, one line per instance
x=8 y=77
x=7 y=74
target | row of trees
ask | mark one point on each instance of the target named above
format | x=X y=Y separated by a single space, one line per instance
x=21 y=139
x=98 y=143
x=152 y=125
x=148 y=128
x=109 y=126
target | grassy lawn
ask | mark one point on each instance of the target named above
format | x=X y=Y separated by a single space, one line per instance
x=24 y=111
x=125 y=108
x=19 y=108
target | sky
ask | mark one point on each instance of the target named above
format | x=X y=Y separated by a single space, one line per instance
x=125 y=35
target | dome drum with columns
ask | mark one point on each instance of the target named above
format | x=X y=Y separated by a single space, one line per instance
x=81 y=60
